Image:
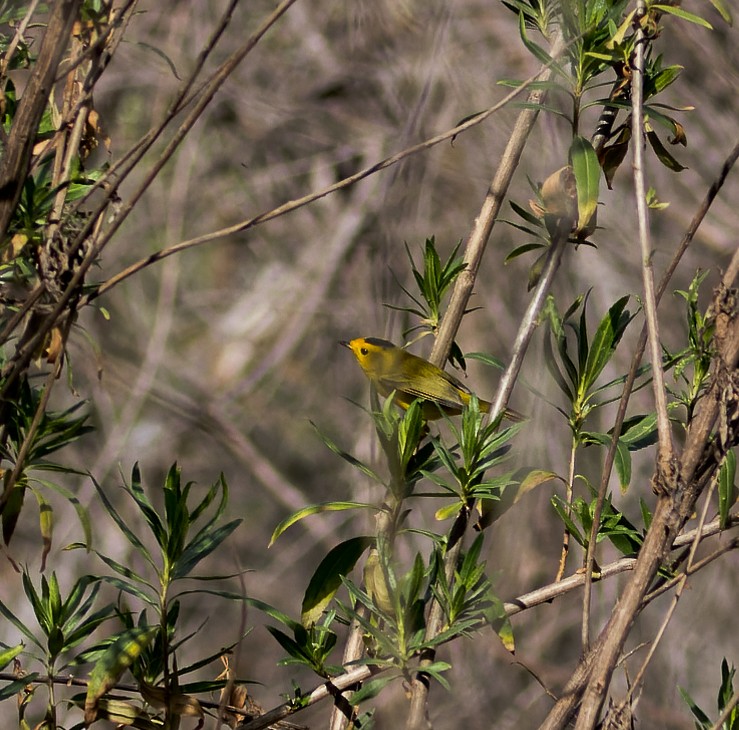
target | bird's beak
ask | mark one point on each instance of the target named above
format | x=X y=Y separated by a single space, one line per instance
x=345 y=343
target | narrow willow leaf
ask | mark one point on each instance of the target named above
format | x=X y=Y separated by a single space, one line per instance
x=663 y=155
x=451 y=510
x=699 y=715
x=372 y=688
x=623 y=466
x=119 y=656
x=727 y=490
x=683 y=15
x=326 y=580
x=202 y=545
x=505 y=634
x=7 y=655
x=723 y=10
x=640 y=432
x=487 y=359
x=82 y=514
x=348 y=457
x=315 y=509
x=604 y=343
x=533 y=479
x=17 y=686
x=587 y=171
x=46 y=524
x=122 y=525
x=12 y=507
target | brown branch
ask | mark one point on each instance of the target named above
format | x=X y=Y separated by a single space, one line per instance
x=23 y=354
x=697 y=464
x=665 y=450
x=291 y=205
x=628 y=387
x=16 y=156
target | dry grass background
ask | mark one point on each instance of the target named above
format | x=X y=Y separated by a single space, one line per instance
x=218 y=357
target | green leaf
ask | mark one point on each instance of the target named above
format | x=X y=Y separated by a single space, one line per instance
x=640 y=432
x=536 y=50
x=122 y=524
x=723 y=10
x=5 y=611
x=347 y=457
x=487 y=359
x=703 y=719
x=82 y=515
x=17 y=686
x=126 y=572
x=315 y=509
x=291 y=646
x=684 y=15
x=202 y=545
x=505 y=634
x=130 y=588
x=727 y=489
x=435 y=669
x=372 y=688
x=7 y=655
x=136 y=490
x=623 y=465
x=561 y=507
x=662 y=154
x=450 y=510
x=12 y=508
x=119 y=656
x=604 y=343
x=587 y=172
x=327 y=578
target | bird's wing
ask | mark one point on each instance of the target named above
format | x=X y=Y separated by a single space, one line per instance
x=444 y=391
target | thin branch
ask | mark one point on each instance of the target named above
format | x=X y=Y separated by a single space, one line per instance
x=687 y=238
x=665 y=452
x=22 y=455
x=724 y=716
x=17 y=36
x=17 y=151
x=22 y=356
x=292 y=205
x=483 y=226
x=680 y=587
x=699 y=460
x=728 y=546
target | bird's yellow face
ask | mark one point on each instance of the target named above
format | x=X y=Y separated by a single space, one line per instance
x=373 y=354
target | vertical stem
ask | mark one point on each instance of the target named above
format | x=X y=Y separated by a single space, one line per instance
x=665 y=453
x=568 y=497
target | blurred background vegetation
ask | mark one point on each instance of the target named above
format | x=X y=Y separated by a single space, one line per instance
x=222 y=356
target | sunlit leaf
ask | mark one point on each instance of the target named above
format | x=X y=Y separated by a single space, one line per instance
x=119 y=656
x=683 y=14
x=314 y=510
x=327 y=578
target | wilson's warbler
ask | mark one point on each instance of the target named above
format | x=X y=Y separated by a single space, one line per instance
x=391 y=368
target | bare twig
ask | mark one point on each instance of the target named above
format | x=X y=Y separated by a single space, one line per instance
x=22 y=355
x=699 y=460
x=665 y=453
x=676 y=598
x=292 y=205
x=724 y=716
x=692 y=229
x=483 y=226
x=17 y=36
x=474 y=250
x=17 y=152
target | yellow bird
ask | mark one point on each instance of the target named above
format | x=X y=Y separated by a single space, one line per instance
x=390 y=368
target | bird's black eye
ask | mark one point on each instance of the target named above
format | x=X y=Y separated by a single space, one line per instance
x=364 y=351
